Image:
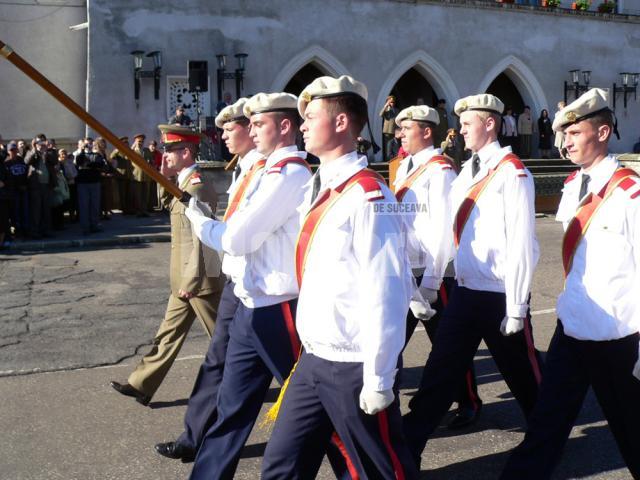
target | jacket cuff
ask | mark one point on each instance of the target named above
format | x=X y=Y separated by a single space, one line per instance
x=431 y=282
x=518 y=310
x=377 y=383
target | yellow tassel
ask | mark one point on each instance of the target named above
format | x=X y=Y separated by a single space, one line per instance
x=272 y=414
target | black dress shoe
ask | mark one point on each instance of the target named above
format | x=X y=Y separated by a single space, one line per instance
x=177 y=451
x=129 y=391
x=463 y=417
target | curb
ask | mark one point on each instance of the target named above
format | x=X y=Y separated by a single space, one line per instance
x=83 y=243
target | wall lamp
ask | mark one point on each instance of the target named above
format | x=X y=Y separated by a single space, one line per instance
x=138 y=73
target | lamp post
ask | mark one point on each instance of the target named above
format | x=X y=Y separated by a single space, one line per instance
x=575 y=85
x=223 y=75
x=138 y=73
x=629 y=85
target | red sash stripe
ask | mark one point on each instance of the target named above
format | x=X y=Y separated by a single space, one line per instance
x=408 y=182
x=240 y=192
x=470 y=201
x=291 y=329
x=383 y=424
x=531 y=350
x=320 y=208
x=277 y=167
x=579 y=224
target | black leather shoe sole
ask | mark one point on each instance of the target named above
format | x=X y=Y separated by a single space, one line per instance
x=129 y=391
x=176 y=452
x=463 y=418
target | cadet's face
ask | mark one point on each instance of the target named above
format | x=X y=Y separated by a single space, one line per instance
x=236 y=137
x=174 y=158
x=317 y=128
x=264 y=132
x=412 y=136
x=474 y=130
x=584 y=142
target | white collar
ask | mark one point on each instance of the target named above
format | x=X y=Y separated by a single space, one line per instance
x=337 y=171
x=282 y=153
x=249 y=159
x=185 y=172
x=599 y=174
x=491 y=154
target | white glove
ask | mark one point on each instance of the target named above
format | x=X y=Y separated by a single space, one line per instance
x=196 y=206
x=429 y=294
x=374 y=402
x=636 y=368
x=420 y=307
x=511 y=325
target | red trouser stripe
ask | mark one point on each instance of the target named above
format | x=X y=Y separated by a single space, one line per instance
x=531 y=350
x=347 y=459
x=291 y=329
x=383 y=423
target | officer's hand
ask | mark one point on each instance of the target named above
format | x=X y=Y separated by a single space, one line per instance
x=372 y=402
x=429 y=294
x=421 y=310
x=511 y=325
x=185 y=295
x=636 y=368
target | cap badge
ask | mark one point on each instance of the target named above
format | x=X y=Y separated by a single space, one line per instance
x=571 y=116
x=226 y=116
x=305 y=96
x=464 y=105
x=410 y=115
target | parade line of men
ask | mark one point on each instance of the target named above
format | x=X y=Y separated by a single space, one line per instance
x=325 y=276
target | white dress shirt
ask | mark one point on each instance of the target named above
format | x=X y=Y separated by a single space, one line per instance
x=498 y=250
x=233 y=265
x=601 y=297
x=428 y=216
x=264 y=230
x=357 y=282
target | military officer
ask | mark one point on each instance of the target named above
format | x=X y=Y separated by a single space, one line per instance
x=141 y=181
x=355 y=286
x=263 y=342
x=496 y=253
x=124 y=172
x=423 y=185
x=201 y=411
x=195 y=276
x=596 y=339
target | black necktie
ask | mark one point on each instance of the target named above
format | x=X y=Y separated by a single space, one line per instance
x=584 y=185
x=410 y=164
x=237 y=171
x=316 y=186
x=475 y=164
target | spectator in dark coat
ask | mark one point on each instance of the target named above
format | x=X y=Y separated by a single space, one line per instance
x=546 y=134
x=42 y=181
x=18 y=184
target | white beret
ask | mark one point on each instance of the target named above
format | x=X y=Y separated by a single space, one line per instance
x=419 y=113
x=324 y=87
x=270 y=102
x=484 y=102
x=231 y=113
x=589 y=103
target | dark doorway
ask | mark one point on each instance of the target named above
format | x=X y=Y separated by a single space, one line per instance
x=503 y=88
x=302 y=78
x=413 y=89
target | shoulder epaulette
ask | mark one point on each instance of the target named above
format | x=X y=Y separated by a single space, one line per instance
x=517 y=163
x=277 y=167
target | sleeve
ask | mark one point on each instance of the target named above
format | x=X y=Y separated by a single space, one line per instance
x=521 y=244
x=385 y=282
x=434 y=228
x=634 y=233
x=269 y=207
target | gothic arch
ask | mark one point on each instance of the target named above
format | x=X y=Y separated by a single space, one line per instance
x=314 y=54
x=524 y=80
x=430 y=69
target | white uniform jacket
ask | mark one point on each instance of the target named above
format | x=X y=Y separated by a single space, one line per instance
x=264 y=230
x=498 y=250
x=233 y=265
x=601 y=297
x=357 y=282
x=428 y=216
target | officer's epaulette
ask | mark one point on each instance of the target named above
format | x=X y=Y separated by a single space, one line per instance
x=632 y=186
x=277 y=167
x=195 y=178
x=571 y=177
x=372 y=189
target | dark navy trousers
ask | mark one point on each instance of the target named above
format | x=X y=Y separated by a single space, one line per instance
x=571 y=366
x=466 y=395
x=201 y=410
x=323 y=396
x=470 y=317
x=262 y=344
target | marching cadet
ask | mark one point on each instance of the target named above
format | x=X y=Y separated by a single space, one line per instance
x=596 y=339
x=201 y=409
x=355 y=286
x=423 y=185
x=195 y=275
x=496 y=255
x=261 y=234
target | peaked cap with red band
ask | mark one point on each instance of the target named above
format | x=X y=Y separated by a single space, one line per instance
x=174 y=135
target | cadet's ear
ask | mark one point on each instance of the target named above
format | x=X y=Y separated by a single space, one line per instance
x=342 y=122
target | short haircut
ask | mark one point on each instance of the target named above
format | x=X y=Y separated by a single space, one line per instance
x=41 y=137
x=241 y=121
x=291 y=115
x=354 y=106
x=496 y=117
x=603 y=117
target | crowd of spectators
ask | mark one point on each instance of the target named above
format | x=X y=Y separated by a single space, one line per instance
x=44 y=188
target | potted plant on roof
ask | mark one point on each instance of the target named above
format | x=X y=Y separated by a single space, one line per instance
x=607 y=7
x=550 y=3
x=581 y=5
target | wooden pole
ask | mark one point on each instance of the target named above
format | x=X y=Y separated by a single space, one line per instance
x=77 y=110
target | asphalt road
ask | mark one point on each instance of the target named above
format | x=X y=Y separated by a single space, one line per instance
x=71 y=321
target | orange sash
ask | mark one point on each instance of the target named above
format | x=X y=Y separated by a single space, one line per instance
x=406 y=184
x=587 y=208
x=240 y=192
x=469 y=203
x=368 y=179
